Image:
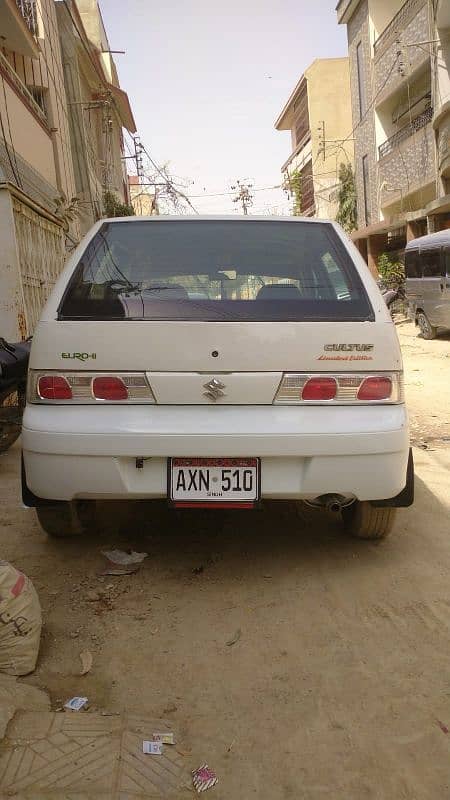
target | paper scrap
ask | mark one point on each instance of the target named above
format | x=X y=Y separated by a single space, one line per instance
x=152 y=748
x=123 y=558
x=165 y=738
x=76 y=703
x=204 y=778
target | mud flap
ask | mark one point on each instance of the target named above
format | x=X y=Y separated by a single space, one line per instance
x=406 y=496
x=28 y=498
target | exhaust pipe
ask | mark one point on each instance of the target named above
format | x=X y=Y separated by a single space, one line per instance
x=332 y=502
x=333 y=505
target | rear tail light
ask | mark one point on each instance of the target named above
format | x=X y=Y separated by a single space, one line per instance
x=342 y=389
x=375 y=388
x=86 y=387
x=320 y=388
x=54 y=387
x=109 y=388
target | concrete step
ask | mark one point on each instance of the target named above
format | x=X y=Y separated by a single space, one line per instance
x=88 y=756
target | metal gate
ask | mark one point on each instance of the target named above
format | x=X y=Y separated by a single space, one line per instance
x=41 y=251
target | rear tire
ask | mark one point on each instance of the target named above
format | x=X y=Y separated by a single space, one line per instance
x=364 y=521
x=63 y=520
x=427 y=330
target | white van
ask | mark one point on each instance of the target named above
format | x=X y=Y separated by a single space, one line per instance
x=427 y=268
x=216 y=362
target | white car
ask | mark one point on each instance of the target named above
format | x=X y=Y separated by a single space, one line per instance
x=216 y=362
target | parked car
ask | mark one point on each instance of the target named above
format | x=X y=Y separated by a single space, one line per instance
x=427 y=267
x=13 y=380
x=216 y=362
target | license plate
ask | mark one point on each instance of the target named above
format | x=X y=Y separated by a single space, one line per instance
x=214 y=482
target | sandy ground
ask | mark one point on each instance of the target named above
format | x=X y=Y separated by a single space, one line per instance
x=427 y=385
x=339 y=683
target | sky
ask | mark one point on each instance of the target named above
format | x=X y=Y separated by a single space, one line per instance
x=207 y=80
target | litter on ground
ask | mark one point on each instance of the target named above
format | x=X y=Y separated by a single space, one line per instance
x=76 y=703
x=204 y=778
x=124 y=558
x=165 y=738
x=152 y=748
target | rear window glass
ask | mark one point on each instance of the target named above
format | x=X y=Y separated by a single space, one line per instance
x=216 y=270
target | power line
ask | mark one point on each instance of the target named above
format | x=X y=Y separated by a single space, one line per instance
x=66 y=156
x=374 y=99
x=168 y=180
x=14 y=166
x=228 y=194
x=93 y=62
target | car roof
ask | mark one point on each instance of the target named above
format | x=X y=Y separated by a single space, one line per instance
x=215 y=218
x=429 y=242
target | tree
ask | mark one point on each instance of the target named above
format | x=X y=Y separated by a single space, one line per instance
x=169 y=190
x=391 y=271
x=293 y=186
x=112 y=207
x=346 y=215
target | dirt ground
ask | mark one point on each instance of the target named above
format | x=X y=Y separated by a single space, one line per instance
x=338 y=683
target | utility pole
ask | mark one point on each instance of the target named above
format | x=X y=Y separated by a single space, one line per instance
x=138 y=150
x=321 y=130
x=243 y=195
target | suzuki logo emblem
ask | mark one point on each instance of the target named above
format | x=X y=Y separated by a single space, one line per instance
x=214 y=389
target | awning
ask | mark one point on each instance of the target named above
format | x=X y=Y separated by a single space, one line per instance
x=124 y=108
x=376 y=229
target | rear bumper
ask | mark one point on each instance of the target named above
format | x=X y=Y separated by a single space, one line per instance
x=81 y=452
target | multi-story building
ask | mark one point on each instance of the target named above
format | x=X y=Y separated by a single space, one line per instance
x=61 y=145
x=98 y=108
x=36 y=169
x=441 y=116
x=144 y=202
x=394 y=96
x=318 y=114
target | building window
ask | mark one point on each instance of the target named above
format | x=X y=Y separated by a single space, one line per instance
x=361 y=83
x=301 y=117
x=366 y=188
x=38 y=96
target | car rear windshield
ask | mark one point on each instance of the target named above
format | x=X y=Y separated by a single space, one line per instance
x=216 y=270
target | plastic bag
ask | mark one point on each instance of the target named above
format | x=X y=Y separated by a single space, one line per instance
x=20 y=622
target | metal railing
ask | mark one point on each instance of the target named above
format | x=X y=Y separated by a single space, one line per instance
x=404 y=133
x=21 y=88
x=28 y=10
x=397 y=23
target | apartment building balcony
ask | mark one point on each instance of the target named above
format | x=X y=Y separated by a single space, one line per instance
x=396 y=56
x=22 y=91
x=407 y=162
x=404 y=133
x=28 y=10
x=307 y=200
x=300 y=154
x=18 y=26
